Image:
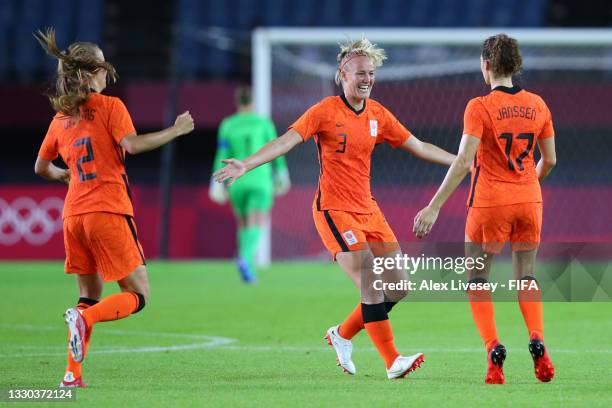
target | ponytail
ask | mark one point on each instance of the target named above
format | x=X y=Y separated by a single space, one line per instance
x=75 y=70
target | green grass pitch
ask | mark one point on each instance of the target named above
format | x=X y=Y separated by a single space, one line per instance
x=208 y=340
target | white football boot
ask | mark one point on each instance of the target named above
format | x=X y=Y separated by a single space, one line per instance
x=344 y=349
x=77 y=329
x=402 y=366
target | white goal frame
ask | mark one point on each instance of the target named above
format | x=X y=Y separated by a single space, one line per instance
x=264 y=38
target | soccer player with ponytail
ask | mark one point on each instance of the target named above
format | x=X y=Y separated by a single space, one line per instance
x=92 y=132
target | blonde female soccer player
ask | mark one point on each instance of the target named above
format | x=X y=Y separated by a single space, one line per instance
x=92 y=132
x=346 y=129
x=501 y=131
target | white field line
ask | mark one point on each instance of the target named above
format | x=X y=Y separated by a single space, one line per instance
x=216 y=342
x=206 y=342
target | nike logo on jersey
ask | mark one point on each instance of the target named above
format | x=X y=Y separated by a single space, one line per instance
x=339 y=124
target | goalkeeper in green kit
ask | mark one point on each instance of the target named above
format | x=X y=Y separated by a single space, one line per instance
x=252 y=196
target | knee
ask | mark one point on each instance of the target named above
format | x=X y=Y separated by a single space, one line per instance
x=372 y=296
x=396 y=295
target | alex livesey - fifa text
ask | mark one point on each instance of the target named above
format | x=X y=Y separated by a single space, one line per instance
x=455 y=285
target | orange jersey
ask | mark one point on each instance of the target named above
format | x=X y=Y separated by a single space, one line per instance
x=508 y=122
x=90 y=147
x=345 y=140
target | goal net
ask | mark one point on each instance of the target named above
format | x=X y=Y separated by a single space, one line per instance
x=426 y=82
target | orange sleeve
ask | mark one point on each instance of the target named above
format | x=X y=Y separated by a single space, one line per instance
x=48 y=149
x=392 y=131
x=119 y=121
x=473 y=119
x=547 y=129
x=309 y=123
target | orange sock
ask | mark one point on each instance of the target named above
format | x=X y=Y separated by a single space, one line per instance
x=73 y=366
x=530 y=302
x=376 y=323
x=113 y=307
x=353 y=324
x=354 y=321
x=484 y=316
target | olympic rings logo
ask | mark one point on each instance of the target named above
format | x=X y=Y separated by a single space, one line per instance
x=25 y=219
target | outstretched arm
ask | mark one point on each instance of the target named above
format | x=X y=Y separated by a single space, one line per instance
x=425 y=219
x=49 y=171
x=282 y=181
x=427 y=151
x=135 y=144
x=234 y=169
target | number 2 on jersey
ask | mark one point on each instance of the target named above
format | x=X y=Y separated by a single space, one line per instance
x=508 y=137
x=85 y=141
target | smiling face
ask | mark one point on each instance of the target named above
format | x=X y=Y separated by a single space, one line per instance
x=358 y=79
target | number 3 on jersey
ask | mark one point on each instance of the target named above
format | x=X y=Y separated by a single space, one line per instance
x=508 y=137
x=88 y=157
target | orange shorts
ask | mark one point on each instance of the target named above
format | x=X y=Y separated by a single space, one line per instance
x=102 y=243
x=343 y=231
x=519 y=224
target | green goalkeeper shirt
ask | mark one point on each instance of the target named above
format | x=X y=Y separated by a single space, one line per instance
x=241 y=135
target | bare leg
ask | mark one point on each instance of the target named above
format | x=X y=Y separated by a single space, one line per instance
x=137 y=281
x=523 y=263
x=358 y=265
x=90 y=286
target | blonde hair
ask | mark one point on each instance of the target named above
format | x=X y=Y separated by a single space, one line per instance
x=351 y=49
x=75 y=70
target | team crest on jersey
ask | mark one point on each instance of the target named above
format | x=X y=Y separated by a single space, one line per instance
x=373 y=128
x=349 y=237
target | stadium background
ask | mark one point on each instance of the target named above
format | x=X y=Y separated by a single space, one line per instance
x=210 y=42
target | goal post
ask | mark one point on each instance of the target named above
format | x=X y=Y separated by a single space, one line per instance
x=263 y=39
x=426 y=82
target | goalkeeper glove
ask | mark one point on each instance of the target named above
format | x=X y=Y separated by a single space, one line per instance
x=217 y=192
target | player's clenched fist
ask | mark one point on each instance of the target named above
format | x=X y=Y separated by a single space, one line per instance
x=184 y=123
x=233 y=170
x=65 y=176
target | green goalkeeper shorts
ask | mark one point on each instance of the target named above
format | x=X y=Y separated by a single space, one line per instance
x=249 y=199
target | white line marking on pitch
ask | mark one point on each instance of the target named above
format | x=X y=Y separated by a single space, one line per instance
x=208 y=342
x=216 y=342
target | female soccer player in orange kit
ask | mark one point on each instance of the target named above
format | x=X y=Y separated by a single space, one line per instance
x=92 y=132
x=346 y=129
x=500 y=133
